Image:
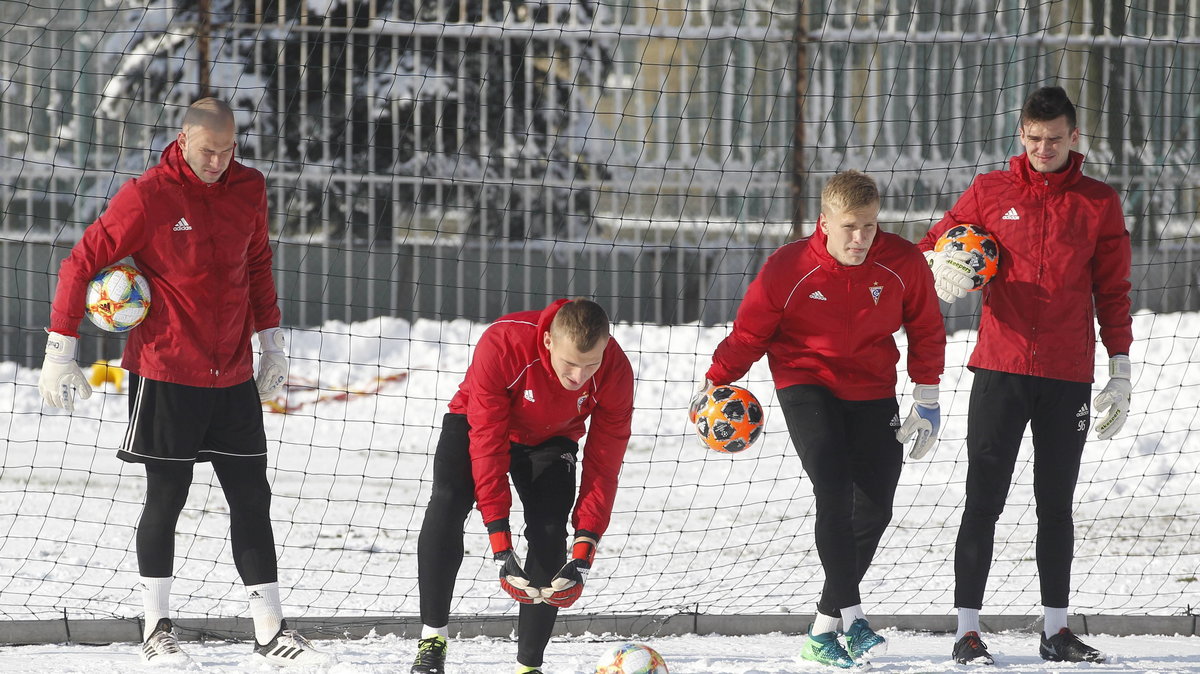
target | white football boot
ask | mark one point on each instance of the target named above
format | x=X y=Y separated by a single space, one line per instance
x=162 y=649
x=289 y=649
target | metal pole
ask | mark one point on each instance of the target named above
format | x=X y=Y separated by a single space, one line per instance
x=202 y=37
x=799 y=41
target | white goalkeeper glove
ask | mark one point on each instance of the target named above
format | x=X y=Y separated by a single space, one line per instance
x=924 y=421
x=61 y=374
x=698 y=399
x=272 y=365
x=1114 y=398
x=952 y=273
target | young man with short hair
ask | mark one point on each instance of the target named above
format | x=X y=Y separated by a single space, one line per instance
x=824 y=310
x=535 y=380
x=1064 y=263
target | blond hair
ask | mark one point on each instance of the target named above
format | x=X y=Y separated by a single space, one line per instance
x=849 y=191
x=583 y=322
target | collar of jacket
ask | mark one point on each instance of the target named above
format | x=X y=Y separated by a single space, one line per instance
x=1054 y=182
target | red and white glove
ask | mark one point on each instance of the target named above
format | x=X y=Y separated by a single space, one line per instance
x=61 y=374
x=567 y=584
x=272 y=364
x=512 y=577
x=1114 y=397
x=952 y=273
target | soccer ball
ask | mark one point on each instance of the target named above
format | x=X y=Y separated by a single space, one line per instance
x=118 y=298
x=631 y=658
x=985 y=253
x=728 y=419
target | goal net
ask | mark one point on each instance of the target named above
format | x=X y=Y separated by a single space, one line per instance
x=434 y=165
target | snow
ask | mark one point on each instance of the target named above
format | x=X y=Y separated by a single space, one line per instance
x=692 y=530
x=707 y=654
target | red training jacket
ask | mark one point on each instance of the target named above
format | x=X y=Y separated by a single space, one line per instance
x=205 y=252
x=511 y=394
x=1064 y=260
x=827 y=324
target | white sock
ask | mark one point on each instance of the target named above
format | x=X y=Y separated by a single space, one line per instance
x=1056 y=619
x=266 y=610
x=968 y=621
x=852 y=613
x=824 y=624
x=156 y=601
x=427 y=631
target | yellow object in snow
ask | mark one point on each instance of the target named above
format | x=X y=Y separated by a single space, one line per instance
x=104 y=371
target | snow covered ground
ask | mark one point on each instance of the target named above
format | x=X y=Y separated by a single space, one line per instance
x=693 y=654
x=692 y=530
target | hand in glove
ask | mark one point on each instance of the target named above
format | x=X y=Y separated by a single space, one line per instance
x=1114 y=398
x=952 y=273
x=512 y=577
x=924 y=421
x=61 y=374
x=272 y=365
x=567 y=584
x=698 y=400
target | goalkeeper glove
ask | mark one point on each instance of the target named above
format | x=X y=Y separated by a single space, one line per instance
x=924 y=421
x=698 y=399
x=567 y=584
x=61 y=374
x=952 y=273
x=1114 y=398
x=272 y=365
x=512 y=577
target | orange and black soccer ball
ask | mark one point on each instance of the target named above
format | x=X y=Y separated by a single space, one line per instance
x=985 y=253
x=728 y=418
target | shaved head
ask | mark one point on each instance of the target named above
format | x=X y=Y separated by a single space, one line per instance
x=210 y=113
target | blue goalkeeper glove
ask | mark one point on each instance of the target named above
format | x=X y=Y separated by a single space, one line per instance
x=924 y=421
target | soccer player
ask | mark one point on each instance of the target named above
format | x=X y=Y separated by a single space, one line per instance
x=1065 y=260
x=196 y=227
x=535 y=378
x=824 y=310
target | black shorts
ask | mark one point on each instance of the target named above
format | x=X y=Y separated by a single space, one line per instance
x=177 y=423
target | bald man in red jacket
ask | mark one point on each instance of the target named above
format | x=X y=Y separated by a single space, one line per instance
x=535 y=379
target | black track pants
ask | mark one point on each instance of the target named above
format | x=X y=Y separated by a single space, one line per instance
x=850 y=453
x=1001 y=406
x=544 y=477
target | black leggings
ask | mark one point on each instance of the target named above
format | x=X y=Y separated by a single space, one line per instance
x=1001 y=406
x=249 y=496
x=850 y=452
x=544 y=477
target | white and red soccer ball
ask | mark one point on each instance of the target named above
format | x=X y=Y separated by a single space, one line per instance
x=118 y=298
x=631 y=658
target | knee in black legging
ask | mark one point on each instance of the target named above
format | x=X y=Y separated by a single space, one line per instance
x=166 y=493
x=451 y=503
